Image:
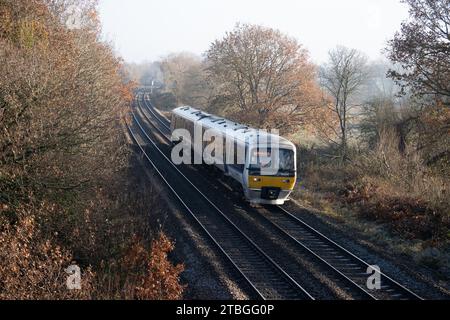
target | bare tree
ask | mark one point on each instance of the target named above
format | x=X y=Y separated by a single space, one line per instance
x=175 y=68
x=422 y=49
x=342 y=76
x=262 y=77
x=197 y=89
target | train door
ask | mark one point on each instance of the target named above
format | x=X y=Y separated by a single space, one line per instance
x=246 y=166
x=236 y=169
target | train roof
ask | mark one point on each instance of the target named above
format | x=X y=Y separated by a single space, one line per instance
x=227 y=127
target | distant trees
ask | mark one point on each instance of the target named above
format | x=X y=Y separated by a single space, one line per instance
x=144 y=73
x=422 y=49
x=183 y=72
x=262 y=77
x=255 y=75
x=342 y=76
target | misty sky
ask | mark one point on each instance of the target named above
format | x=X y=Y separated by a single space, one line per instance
x=146 y=30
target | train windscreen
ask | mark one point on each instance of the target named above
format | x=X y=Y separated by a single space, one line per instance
x=262 y=158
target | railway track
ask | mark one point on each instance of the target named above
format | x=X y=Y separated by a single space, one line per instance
x=265 y=277
x=347 y=266
x=164 y=135
x=162 y=120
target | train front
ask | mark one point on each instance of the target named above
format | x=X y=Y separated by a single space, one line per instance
x=271 y=172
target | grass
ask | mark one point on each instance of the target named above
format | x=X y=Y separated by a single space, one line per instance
x=394 y=200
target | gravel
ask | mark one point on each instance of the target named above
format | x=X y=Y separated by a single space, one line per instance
x=209 y=276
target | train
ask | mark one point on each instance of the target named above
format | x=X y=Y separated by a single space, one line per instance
x=263 y=165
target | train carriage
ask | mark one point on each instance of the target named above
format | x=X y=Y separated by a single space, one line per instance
x=263 y=164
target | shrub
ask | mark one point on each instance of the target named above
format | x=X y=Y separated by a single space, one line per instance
x=156 y=277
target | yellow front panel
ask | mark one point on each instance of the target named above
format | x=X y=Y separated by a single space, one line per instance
x=284 y=183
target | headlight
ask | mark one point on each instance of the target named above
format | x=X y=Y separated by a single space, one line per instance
x=286 y=181
x=256 y=179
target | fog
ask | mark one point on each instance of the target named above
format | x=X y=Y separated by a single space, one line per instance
x=144 y=30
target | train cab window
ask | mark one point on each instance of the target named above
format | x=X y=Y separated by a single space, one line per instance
x=287 y=161
x=262 y=158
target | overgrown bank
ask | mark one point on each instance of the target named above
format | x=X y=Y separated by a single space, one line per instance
x=395 y=200
x=66 y=196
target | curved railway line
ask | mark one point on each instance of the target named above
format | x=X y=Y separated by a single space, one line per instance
x=265 y=276
x=338 y=261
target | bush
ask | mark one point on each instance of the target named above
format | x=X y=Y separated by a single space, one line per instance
x=382 y=184
x=153 y=275
x=65 y=188
x=32 y=267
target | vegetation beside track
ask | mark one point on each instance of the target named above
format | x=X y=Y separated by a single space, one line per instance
x=68 y=192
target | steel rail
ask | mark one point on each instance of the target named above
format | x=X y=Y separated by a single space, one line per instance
x=278 y=268
x=192 y=213
x=156 y=127
x=407 y=292
x=156 y=116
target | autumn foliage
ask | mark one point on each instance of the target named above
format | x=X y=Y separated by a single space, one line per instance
x=63 y=155
x=152 y=274
x=263 y=78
